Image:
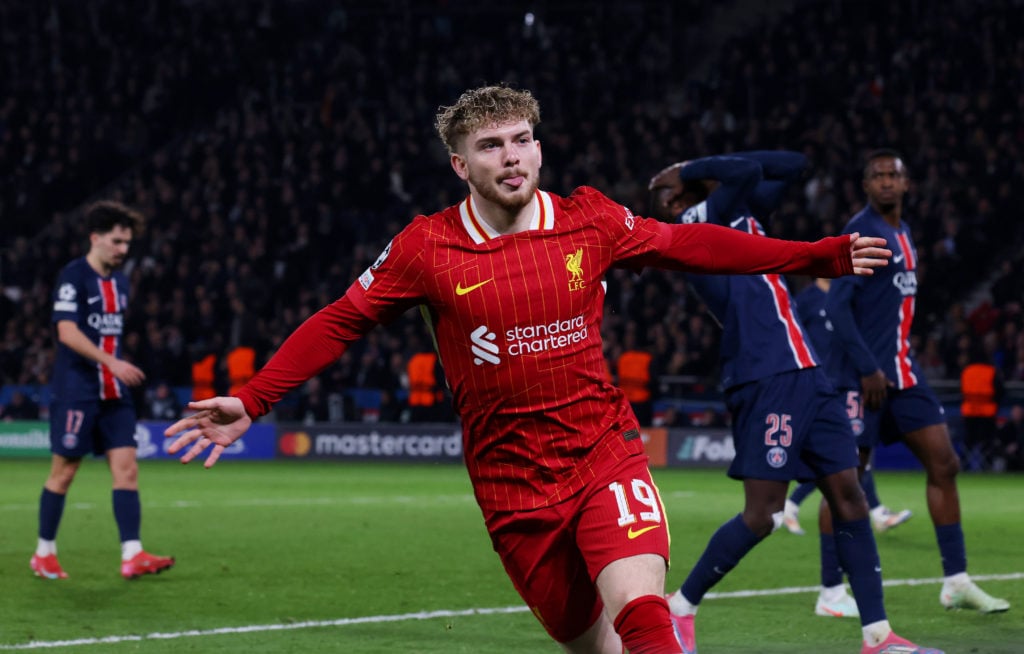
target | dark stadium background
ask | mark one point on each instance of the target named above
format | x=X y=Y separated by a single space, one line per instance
x=275 y=146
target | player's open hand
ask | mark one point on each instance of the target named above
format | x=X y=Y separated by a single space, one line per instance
x=868 y=253
x=219 y=421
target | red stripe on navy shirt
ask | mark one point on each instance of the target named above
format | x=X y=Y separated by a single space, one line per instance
x=109 y=389
x=907 y=251
x=784 y=311
x=905 y=374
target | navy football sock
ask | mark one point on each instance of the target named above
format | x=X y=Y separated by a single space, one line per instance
x=727 y=546
x=867 y=482
x=952 y=549
x=127 y=513
x=801 y=492
x=51 y=508
x=858 y=555
x=831 y=571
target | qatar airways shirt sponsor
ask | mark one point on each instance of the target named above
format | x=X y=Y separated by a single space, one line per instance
x=96 y=304
x=881 y=307
x=528 y=339
x=905 y=282
x=106 y=324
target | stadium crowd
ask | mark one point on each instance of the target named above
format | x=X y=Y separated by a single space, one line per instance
x=268 y=142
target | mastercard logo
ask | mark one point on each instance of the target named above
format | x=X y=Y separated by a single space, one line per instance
x=296 y=443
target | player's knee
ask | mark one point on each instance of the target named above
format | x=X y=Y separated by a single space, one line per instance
x=126 y=476
x=944 y=466
x=60 y=483
x=60 y=478
x=761 y=520
x=849 y=505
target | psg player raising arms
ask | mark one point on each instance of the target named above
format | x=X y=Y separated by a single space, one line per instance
x=511 y=281
x=788 y=421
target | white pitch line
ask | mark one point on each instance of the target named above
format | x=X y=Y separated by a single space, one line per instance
x=427 y=615
x=267 y=501
x=309 y=624
x=885 y=582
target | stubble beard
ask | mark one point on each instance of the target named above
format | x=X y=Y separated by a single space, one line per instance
x=491 y=191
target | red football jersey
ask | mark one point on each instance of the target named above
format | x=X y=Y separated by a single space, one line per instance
x=517 y=319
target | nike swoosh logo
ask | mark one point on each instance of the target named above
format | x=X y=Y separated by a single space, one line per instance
x=94 y=300
x=639 y=532
x=462 y=290
x=898 y=258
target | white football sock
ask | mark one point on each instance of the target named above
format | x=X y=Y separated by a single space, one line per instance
x=876 y=632
x=957 y=581
x=130 y=548
x=679 y=605
x=833 y=593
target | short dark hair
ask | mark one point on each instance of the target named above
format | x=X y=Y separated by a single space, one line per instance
x=882 y=153
x=105 y=215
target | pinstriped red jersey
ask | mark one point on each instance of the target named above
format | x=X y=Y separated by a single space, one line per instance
x=516 y=319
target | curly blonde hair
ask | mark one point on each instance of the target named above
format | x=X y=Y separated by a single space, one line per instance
x=484 y=107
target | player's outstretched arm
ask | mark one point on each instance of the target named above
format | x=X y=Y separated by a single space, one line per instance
x=218 y=421
x=868 y=252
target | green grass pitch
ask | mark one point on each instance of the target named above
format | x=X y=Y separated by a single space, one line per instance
x=321 y=557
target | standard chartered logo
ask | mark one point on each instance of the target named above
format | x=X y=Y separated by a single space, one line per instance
x=483 y=346
x=528 y=339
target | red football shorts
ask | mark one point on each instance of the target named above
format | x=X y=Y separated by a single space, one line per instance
x=554 y=554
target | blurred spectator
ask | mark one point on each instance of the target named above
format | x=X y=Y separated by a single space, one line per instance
x=8 y=307
x=204 y=377
x=982 y=389
x=271 y=141
x=1010 y=438
x=161 y=403
x=425 y=397
x=633 y=375
x=313 y=403
x=241 y=366
x=20 y=407
x=392 y=406
x=930 y=359
x=671 y=416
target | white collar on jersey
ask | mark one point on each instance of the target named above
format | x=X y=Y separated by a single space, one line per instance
x=481 y=232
